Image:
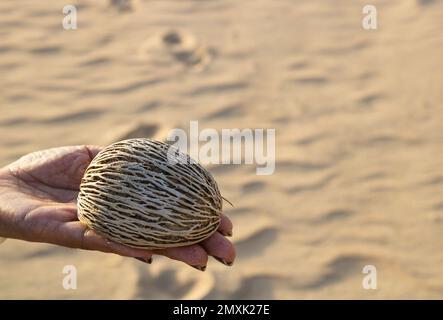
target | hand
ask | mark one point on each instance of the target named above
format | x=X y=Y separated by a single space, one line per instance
x=38 y=195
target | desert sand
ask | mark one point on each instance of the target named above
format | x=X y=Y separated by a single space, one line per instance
x=358 y=118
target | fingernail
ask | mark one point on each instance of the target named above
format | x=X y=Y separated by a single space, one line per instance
x=226 y=263
x=146 y=260
x=200 y=268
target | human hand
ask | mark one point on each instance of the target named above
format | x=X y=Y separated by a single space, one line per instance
x=38 y=195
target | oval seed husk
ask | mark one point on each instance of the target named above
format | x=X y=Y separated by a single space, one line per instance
x=133 y=194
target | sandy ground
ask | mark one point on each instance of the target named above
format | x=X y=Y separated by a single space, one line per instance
x=358 y=116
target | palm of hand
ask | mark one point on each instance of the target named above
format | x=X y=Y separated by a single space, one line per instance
x=42 y=188
x=38 y=202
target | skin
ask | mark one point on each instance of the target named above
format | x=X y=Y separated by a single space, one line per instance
x=38 y=196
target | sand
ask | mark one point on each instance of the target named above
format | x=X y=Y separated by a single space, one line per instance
x=358 y=118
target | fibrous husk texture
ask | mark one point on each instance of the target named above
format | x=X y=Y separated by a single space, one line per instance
x=133 y=194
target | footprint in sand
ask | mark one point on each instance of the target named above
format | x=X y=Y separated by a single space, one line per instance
x=46 y=50
x=333 y=215
x=435 y=180
x=252 y=239
x=302 y=166
x=132 y=131
x=337 y=270
x=312 y=139
x=311 y=80
x=123 y=5
x=369 y=100
x=425 y=2
x=437 y=212
x=238 y=211
x=177 y=47
x=257 y=287
x=253 y=187
x=312 y=186
x=230 y=111
x=85 y=115
x=163 y=282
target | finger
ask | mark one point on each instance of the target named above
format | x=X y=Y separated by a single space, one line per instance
x=82 y=157
x=225 y=227
x=93 y=150
x=78 y=235
x=193 y=255
x=220 y=248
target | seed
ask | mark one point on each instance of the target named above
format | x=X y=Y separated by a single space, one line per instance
x=133 y=194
